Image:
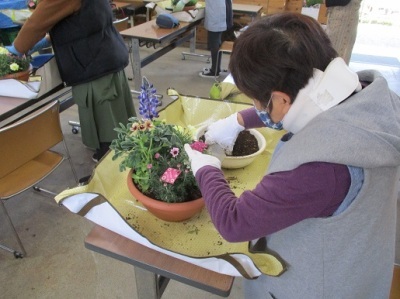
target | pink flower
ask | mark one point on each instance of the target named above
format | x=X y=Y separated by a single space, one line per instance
x=174 y=152
x=170 y=175
x=157 y=155
x=198 y=146
x=149 y=166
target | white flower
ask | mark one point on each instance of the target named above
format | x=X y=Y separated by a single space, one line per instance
x=14 y=67
x=3 y=51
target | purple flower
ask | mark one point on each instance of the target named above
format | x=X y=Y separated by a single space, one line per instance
x=148 y=101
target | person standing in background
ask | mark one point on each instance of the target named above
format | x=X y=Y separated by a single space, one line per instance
x=91 y=56
x=343 y=17
x=218 y=18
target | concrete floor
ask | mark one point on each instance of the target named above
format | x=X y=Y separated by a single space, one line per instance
x=57 y=265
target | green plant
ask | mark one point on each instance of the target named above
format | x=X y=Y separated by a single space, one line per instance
x=155 y=152
x=10 y=64
x=310 y=3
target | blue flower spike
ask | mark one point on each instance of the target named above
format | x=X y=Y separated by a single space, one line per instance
x=148 y=101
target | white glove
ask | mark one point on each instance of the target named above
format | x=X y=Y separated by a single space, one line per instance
x=199 y=160
x=224 y=132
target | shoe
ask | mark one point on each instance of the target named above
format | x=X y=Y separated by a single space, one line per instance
x=208 y=74
x=95 y=158
x=83 y=181
x=100 y=152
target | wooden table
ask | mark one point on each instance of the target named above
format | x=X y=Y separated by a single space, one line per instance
x=153 y=269
x=251 y=10
x=12 y=109
x=150 y=35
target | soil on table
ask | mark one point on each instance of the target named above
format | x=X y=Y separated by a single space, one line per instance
x=245 y=144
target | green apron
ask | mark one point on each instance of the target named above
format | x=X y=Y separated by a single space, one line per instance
x=102 y=105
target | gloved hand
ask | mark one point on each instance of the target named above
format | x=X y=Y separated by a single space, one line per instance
x=224 y=132
x=43 y=43
x=199 y=160
x=12 y=50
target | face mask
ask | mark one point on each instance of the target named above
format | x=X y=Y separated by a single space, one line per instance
x=266 y=119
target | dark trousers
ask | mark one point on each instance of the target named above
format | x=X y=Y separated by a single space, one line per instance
x=214 y=40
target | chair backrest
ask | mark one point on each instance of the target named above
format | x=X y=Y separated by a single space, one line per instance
x=395 y=290
x=29 y=137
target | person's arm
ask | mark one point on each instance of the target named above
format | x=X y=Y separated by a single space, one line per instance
x=330 y=3
x=44 y=17
x=278 y=201
x=249 y=119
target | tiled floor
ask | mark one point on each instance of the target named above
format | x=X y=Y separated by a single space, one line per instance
x=58 y=265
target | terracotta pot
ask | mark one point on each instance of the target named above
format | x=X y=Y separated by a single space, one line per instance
x=23 y=76
x=173 y=212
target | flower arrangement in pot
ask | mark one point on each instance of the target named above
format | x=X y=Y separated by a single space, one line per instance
x=14 y=67
x=160 y=168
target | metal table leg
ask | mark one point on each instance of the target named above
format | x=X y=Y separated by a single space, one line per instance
x=149 y=285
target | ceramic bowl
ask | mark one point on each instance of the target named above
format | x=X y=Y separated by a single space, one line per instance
x=231 y=162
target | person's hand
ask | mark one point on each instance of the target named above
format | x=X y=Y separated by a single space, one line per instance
x=199 y=160
x=43 y=43
x=224 y=132
x=13 y=51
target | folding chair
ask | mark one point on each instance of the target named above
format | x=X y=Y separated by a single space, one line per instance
x=27 y=157
x=395 y=290
x=226 y=48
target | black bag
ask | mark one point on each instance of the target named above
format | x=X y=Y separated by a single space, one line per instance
x=165 y=20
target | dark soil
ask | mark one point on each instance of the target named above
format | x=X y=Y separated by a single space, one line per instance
x=246 y=144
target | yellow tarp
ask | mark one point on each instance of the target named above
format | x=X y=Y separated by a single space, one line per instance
x=196 y=237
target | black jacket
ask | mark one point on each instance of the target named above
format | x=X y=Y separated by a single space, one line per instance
x=86 y=44
x=330 y=3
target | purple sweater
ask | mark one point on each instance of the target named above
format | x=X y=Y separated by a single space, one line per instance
x=279 y=200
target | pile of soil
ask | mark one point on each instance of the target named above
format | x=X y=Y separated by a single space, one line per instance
x=245 y=144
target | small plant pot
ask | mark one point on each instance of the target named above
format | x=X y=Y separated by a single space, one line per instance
x=234 y=162
x=172 y=212
x=23 y=76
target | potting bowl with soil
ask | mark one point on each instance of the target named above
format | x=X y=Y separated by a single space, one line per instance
x=249 y=144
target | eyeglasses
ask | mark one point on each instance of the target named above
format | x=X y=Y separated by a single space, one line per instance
x=268 y=107
x=269 y=104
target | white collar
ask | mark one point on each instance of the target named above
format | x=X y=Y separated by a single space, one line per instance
x=323 y=91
